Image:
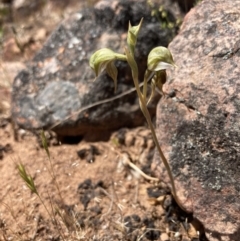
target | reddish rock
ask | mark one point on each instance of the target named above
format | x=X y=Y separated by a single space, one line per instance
x=198 y=122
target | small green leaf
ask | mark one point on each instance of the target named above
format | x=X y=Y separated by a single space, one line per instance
x=160 y=58
x=158 y=80
x=112 y=72
x=153 y=87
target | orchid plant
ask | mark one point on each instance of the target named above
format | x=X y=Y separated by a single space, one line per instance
x=159 y=59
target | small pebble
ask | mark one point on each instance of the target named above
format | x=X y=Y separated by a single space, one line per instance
x=164 y=237
x=129 y=140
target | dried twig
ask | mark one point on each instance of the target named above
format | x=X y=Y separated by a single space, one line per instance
x=126 y=161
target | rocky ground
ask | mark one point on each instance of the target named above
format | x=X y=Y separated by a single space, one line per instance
x=87 y=190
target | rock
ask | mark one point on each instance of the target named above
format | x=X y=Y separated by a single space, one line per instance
x=4 y=149
x=10 y=49
x=198 y=120
x=58 y=82
x=40 y=34
x=17 y=4
x=8 y=71
x=21 y=8
x=7 y=1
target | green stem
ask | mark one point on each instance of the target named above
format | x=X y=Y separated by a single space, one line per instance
x=133 y=65
x=52 y=217
x=120 y=57
x=49 y=214
x=145 y=82
x=162 y=156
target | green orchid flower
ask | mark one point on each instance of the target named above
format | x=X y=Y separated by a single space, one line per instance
x=160 y=58
x=104 y=59
x=132 y=36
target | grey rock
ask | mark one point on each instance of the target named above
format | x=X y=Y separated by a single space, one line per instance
x=58 y=83
x=53 y=97
x=198 y=120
